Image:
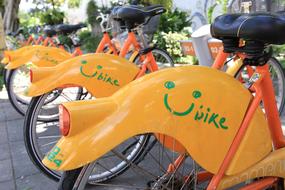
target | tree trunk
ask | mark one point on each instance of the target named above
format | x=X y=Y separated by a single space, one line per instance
x=11 y=20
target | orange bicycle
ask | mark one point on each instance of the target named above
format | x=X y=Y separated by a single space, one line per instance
x=100 y=75
x=226 y=139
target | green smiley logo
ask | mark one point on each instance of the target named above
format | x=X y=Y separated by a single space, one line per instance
x=196 y=94
x=199 y=113
x=99 y=74
x=169 y=85
x=83 y=62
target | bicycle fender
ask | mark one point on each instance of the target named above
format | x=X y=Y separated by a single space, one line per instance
x=12 y=54
x=200 y=107
x=39 y=56
x=100 y=74
x=271 y=165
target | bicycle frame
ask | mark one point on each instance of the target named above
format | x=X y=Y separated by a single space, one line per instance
x=130 y=42
x=222 y=179
x=265 y=93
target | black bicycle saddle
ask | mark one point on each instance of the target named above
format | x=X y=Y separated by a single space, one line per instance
x=268 y=28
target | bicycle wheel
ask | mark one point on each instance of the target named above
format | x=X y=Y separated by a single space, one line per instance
x=6 y=74
x=17 y=83
x=158 y=171
x=278 y=79
x=162 y=58
x=41 y=135
x=153 y=173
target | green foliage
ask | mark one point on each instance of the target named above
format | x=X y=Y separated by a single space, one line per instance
x=65 y=40
x=187 y=60
x=52 y=17
x=73 y=3
x=49 y=3
x=89 y=42
x=224 y=4
x=279 y=52
x=47 y=12
x=2 y=5
x=114 y=3
x=57 y=3
x=174 y=21
x=170 y=33
x=211 y=9
x=92 y=12
x=165 y=3
x=210 y=12
x=28 y=20
x=171 y=43
x=282 y=61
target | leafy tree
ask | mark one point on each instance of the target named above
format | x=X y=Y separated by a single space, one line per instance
x=2 y=6
x=172 y=29
x=166 y=3
x=174 y=21
x=11 y=20
x=54 y=15
x=47 y=3
x=92 y=12
x=74 y=3
x=211 y=9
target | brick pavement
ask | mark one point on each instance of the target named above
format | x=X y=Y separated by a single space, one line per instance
x=17 y=172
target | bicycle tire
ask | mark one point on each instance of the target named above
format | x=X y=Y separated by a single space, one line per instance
x=68 y=179
x=6 y=74
x=276 y=65
x=161 y=52
x=20 y=104
x=76 y=179
x=13 y=98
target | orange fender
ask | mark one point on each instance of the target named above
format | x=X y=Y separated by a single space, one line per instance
x=200 y=107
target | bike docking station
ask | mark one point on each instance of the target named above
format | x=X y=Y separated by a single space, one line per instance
x=202 y=45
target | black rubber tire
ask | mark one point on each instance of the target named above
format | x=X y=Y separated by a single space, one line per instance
x=13 y=99
x=162 y=52
x=165 y=54
x=282 y=71
x=280 y=184
x=278 y=65
x=68 y=179
x=6 y=74
x=28 y=140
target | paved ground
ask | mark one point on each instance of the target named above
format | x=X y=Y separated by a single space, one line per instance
x=16 y=170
